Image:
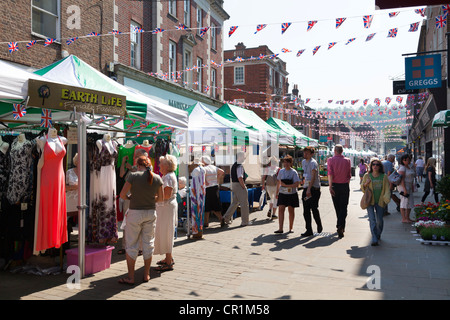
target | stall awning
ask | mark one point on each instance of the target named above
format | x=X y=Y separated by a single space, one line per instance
x=300 y=139
x=441 y=119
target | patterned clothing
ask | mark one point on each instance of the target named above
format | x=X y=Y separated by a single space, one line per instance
x=198 y=193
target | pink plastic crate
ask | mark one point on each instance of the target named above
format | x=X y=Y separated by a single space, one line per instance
x=97 y=258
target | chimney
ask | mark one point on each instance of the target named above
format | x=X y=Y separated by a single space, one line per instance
x=240 y=46
x=295 y=90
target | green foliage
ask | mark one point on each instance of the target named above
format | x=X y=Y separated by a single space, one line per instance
x=443 y=187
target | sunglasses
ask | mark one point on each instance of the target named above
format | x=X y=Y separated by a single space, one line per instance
x=376 y=164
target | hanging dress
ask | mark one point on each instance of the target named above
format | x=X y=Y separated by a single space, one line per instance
x=103 y=216
x=52 y=219
x=198 y=191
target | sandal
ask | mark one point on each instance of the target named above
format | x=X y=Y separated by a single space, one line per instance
x=126 y=281
x=161 y=262
x=164 y=267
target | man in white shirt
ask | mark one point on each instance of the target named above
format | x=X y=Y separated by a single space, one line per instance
x=420 y=164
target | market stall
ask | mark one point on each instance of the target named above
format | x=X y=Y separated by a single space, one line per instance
x=300 y=140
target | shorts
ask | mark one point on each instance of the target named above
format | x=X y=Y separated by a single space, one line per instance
x=288 y=200
x=406 y=202
x=419 y=171
x=212 y=199
x=140 y=226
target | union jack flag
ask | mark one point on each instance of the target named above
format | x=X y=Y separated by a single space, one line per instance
x=116 y=32
x=285 y=26
x=420 y=11
x=203 y=31
x=12 y=46
x=18 y=111
x=388 y=100
x=144 y=124
x=93 y=34
x=239 y=59
x=261 y=56
x=350 y=40
x=331 y=45
x=138 y=29
x=114 y=122
x=71 y=40
x=100 y=120
x=311 y=24
x=446 y=8
x=370 y=37
x=367 y=21
x=339 y=21
x=316 y=49
x=392 y=33
x=284 y=50
x=365 y=101
x=181 y=26
x=259 y=27
x=399 y=99
x=393 y=14
x=413 y=27
x=206 y=89
x=157 y=30
x=377 y=101
x=46 y=118
x=48 y=41
x=31 y=43
x=441 y=21
x=232 y=30
x=131 y=124
x=299 y=53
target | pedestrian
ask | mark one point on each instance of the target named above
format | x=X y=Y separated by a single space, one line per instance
x=239 y=190
x=311 y=191
x=388 y=167
x=430 y=180
x=362 y=169
x=406 y=188
x=269 y=182
x=339 y=175
x=213 y=175
x=420 y=164
x=287 y=194
x=167 y=212
x=144 y=189
x=197 y=198
x=377 y=182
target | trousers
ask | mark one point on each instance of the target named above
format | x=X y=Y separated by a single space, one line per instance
x=340 y=202
x=311 y=205
x=240 y=197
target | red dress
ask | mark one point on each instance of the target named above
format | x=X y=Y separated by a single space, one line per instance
x=52 y=219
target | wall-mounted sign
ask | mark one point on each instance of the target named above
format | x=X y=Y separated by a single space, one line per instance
x=399 y=88
x=423 y=72
x=52 y=95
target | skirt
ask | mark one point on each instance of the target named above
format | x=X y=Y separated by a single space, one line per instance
x=288 y=200
x=212 y=201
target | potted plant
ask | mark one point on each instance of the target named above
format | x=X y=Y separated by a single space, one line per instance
x=443 y=187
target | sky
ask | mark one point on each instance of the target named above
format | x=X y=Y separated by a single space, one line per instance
x=358 y=70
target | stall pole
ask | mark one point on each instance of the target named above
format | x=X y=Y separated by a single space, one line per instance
x=81 y=194
x=188 y=185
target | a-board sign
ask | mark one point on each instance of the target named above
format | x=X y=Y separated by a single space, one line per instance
x=51 y=95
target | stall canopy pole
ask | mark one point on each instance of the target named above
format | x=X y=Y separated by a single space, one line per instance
x=81 y=194
x=188 y=185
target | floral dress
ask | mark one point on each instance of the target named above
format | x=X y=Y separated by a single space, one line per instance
x=198 y=191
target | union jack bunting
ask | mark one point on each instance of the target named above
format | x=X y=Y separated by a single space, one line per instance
x=239 y=59
x=311 y=24
x=316 y=49
x=206 y=89
x=12 y=46
x=420 y=11
x=261 y=56
x=331 y=45
x=144 y=125
x=392 y=33
x=445 y=9
x=388 y=100
x=93 y=34
x=285 y=26
x=48 y=41
x=441 y=21
x=394 y=14
x=414 y=27
x=399 y=99
x=18 y=111
x=377 y=101
x=100 y=120
x=232 y=30
x=114 y=122
x=350 y=40
x=284 y=50
x=131 y=124
x=203 y=31
x=138 y=29
x=339 y=22
x=157 y=30
x=181 y=26
x=367 y=21
x=370 y=37
x=46 y=118
x=116 y=32
x=31 y=43
x=71 y=40
x=259 y=27
x=299 y=53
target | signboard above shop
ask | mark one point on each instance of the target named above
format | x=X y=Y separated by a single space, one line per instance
x=57 y=96
x=423 y=72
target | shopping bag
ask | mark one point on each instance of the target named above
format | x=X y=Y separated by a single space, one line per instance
x=366 y=198
x=262 y=198
x=395 y=178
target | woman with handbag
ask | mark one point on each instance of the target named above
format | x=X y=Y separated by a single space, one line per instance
x=406 y=187
x=376 y=183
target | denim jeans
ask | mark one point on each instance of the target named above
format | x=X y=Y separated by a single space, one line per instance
x=375 y=213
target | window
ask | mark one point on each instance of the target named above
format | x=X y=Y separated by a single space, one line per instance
x=213 y=83
x=135 y=45
x=172 y=57
x=270 y=77
x=239 y=75
x=45 y=18
x=199 y=19
x=187 y=63
x=173 y=7
x=187 y=13
x=213 y=36
x=199 y=73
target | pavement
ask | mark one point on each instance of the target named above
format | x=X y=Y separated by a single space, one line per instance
x=252 y=263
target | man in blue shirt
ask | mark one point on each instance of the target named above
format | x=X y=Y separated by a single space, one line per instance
x=388 y=166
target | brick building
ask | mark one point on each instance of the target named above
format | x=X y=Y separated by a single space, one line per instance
x=256 y=75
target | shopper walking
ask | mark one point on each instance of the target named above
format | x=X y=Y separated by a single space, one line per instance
x=339 y=175
x=430 y=180
x=377 y=182
x=311 y=191
x=143 y=189
x=213 y=175
x=239 y=190
x=362 y=169
x=406 y=188
x=388 y=167
x=269 y=182
x=167 y=212
x=420 y=164
x=287 y=194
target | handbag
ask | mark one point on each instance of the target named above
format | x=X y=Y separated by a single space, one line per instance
x=395 y=178
x=366 y=198
x=262 y=199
